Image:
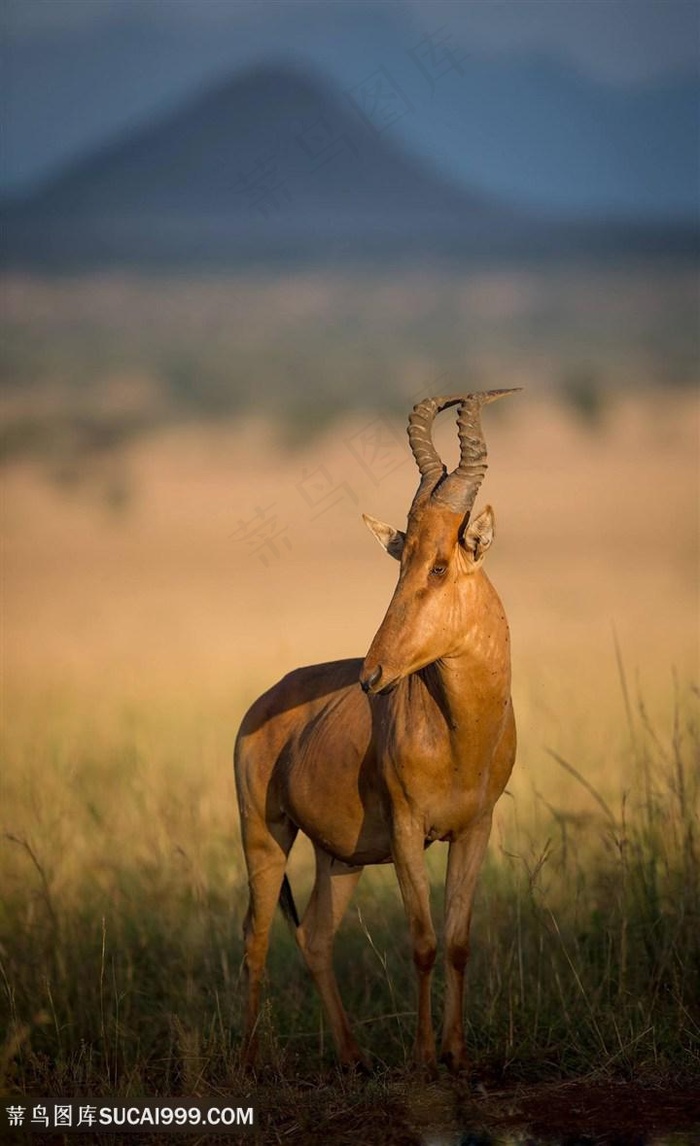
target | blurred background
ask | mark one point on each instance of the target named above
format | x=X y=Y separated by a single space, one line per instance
x=240 y=239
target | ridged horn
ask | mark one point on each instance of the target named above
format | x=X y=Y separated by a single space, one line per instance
x=458 y=491
x=420 y=439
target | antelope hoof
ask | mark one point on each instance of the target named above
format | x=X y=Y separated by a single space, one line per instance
x=357 y=1068
x=456 y=1062
x=427 y=1066
x=429 y=1070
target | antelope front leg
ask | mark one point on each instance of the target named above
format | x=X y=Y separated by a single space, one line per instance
x=463 y=865
x=408 y=848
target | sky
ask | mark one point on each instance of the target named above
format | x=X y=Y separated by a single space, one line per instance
x=77 y=71
x=620 y=40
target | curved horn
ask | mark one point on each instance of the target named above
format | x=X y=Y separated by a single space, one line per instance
x=420 y=439
x=458 y=491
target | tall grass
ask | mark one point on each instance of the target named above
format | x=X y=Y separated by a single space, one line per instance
x=123 y=896
x=598 y=927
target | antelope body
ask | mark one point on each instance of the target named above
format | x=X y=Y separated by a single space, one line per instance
x=374 y=760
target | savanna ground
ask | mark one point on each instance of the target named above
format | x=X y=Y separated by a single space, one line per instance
x=170 y=549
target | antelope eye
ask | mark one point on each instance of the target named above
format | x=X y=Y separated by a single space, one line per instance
x=438 y=571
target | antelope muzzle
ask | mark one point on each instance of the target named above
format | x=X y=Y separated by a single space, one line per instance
x=370 y=679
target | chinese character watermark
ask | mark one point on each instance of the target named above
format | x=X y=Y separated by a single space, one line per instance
x=435 y=57
x=15 y=1115
x=87 y=1115
x=62 y=1115
x=40 y=1116
x=379 y=100
x=263 y=535
x=378 y=448
x=320 y=493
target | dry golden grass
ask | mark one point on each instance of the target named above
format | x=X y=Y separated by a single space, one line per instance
x=164 y=608
x=134 y=638
x=597 y=532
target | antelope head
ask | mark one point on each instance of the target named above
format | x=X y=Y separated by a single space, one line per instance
x=440 y=551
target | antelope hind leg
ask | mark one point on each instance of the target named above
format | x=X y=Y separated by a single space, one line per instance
x=335 y=883
x=266 y=849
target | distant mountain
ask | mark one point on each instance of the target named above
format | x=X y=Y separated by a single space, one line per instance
x=275 y=164
x=527 y=118
x=549 y=135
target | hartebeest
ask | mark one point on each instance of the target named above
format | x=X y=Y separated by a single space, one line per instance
x=376 y=759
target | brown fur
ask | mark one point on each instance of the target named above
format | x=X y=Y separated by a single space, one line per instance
x=373 y=772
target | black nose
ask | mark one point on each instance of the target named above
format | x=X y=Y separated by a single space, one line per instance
x=372 y=679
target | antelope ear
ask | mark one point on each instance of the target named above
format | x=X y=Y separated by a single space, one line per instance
x=479 y=534
x=389 y=538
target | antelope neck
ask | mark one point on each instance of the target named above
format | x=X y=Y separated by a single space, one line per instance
x=478 y=673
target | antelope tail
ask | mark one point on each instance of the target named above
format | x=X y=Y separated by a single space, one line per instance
x=287 y=904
